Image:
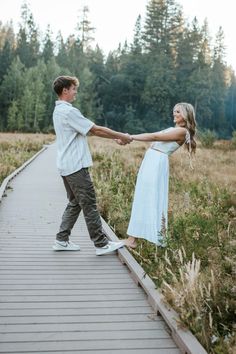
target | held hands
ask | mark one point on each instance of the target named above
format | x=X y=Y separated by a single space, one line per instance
x=125 y=139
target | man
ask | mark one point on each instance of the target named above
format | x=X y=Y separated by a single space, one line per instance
x=73 y=160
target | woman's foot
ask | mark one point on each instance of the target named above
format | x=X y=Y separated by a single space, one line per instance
x=131 y=242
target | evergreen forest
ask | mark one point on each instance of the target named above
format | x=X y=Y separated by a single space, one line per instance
x=133 y=88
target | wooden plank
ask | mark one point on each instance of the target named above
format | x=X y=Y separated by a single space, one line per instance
x=75 y=311
x=64 y=274
x=82 y=286
x=52 y=280
x=61 y=277
x=78 y=298
x=65 y=302
x=29 y=258
x=80 y=292
x=111 y=351
x=88 y=345
x=73 y=327
x=74 y=319
x=83 y=335
x=34 y=262
x=71 y=304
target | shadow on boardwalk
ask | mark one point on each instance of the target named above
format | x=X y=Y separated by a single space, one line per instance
x=68 y=302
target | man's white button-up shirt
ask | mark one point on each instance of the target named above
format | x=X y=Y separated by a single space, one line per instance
x=71 y=128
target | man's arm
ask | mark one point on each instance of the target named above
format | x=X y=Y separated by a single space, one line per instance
x=108 y=133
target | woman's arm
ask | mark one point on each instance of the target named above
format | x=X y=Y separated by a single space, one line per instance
x=176 y=134
x=108 y=133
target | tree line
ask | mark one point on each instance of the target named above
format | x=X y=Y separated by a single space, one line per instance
x=133 y=88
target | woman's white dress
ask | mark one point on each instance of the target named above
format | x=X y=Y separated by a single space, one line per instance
x=149 y=215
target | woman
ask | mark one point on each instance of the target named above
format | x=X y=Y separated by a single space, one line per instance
x=150 y=205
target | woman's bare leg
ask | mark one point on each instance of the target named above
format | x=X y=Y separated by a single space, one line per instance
x=131 y=242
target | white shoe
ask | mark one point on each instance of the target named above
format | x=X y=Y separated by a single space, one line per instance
x=110 y=247
x=65 y=246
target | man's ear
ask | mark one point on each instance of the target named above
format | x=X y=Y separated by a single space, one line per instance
x=65 y=90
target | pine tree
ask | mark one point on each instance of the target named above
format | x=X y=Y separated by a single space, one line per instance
x=230 y=102
x=11 y=89
x=52 y=70
x=99 y=83
x=136 y=46
x=158 y=92
x=76 y=57
x=61 y=52
x=28 y=38
x=32 y=101
x=134 y=88
x=164 y=21
x=13 y=117
x=48 y=46
x=85 y=30
x=7 y=43
x=194 y=69
x=219 y=84
x=187 y=49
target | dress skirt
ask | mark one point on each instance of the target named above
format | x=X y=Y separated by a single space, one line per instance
x=150 y=204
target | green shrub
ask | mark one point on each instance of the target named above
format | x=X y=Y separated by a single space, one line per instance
x=207 y=138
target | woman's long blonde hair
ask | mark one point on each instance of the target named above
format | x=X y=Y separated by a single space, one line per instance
x=188 y=113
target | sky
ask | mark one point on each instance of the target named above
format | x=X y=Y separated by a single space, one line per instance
x=114 y=20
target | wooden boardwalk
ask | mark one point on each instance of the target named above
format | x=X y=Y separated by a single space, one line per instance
x=65 y=302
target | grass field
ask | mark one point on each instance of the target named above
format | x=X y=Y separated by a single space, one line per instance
x=16 y=148
x=196 y=272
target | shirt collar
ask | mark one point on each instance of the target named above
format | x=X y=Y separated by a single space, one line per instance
x=63 y=102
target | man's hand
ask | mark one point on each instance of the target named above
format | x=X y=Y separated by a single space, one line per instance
x=104 y=132
x=124 y=139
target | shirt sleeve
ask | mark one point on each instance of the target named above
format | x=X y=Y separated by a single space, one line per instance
x=78 y=122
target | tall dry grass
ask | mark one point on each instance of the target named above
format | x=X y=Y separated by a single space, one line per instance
x=16 y=148
x=197 y=270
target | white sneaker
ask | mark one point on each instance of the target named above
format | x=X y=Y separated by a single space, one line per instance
x=110 y=247
x=65 y=246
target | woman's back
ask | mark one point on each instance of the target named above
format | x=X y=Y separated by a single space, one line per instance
x=167 y=147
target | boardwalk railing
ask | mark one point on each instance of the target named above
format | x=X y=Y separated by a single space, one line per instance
x=182 y=337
